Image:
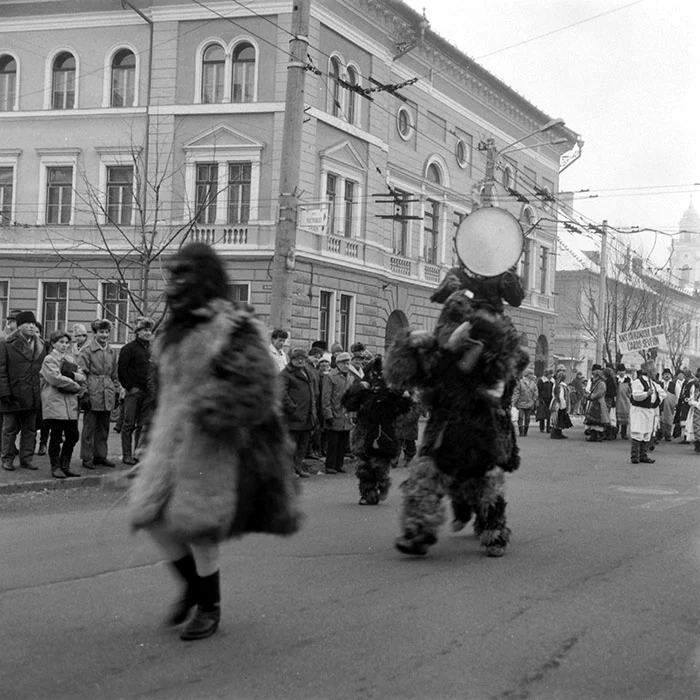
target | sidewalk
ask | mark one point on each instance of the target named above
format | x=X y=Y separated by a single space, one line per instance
x=41 y=479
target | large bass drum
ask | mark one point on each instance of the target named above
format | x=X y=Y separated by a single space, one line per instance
x=489 y=241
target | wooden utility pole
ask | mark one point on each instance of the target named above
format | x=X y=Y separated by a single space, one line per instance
x=602 y=293
x=283 y=262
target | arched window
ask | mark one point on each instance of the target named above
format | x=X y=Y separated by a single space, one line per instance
x=8 y=83
x=123 y=79
x=213 y=68
x=352 y=96
x=63 y=81
x=243 y=73
x=434 y=175
x=335 y=73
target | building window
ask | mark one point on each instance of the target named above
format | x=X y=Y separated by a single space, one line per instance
x=4 y=300
x=399 y=242
x=544 y=268
x=463 y=151
x=239 y=193
x=120 y=194
x=115 y=306
x=63 y=82
x=349 y=208
x=525 y=265
x=331 y=184
x=8 y=83
x=59 y=195
x=243 y=73
x=529 y=179
x=123 y=79
x=54 y=307
x=352 y=95
x=433 y=174
x=240 y=293
x=6 y=187
x=431 y=225
x=345 y=320
x=207 y=185
x=404 y=123
x=335 y=74
x=213 y=69
x=547 y=194
x=325 y=316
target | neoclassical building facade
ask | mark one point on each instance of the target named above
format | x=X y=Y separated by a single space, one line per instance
x=128 y=128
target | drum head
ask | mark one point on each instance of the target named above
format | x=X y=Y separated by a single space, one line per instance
x=489 y=241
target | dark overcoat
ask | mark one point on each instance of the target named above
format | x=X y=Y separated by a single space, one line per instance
x=20 y=367
x=299 y=388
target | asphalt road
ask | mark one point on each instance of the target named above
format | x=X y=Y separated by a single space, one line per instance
x=597 y=597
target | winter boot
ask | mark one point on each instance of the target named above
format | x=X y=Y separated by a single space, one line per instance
x=65 y=466
x=186 y=571
x=634 y=453
x=521 y=430
x=56 y=471
x=556 y=434
x=697 y=446
x=644 y=457
x=208 y=612
x=623 y=432
x=526 y=427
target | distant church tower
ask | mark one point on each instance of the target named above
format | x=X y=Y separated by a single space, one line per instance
x=685 y=255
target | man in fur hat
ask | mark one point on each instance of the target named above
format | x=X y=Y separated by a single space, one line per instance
x=21 y=356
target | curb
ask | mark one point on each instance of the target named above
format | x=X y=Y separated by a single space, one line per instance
x=103 y=480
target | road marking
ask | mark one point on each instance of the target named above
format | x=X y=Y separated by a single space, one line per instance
x=645 y=491
x=667 y=503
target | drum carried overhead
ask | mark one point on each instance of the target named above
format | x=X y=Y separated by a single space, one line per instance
x=489 y=241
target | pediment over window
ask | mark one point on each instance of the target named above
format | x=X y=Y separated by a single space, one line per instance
x=223 y=138
x=346 y=154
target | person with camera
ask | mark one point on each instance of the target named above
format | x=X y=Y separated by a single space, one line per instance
x=61 y=381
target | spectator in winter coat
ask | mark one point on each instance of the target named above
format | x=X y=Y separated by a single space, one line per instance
x=622 y=404
x=98 y=361
x=559 y=407
x=545 y=384
x=578 y=389
x=337 y=418
x=21 y=356
x=132 y=369
x=61 y=380
x=597 y=417
x=278 y=339
x=525 y=397
x=299 y=391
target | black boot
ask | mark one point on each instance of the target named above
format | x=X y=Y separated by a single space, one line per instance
x=634 y=452
x=56 y=471
x=208 y=613
x=65 y=466
x=525 y=429
x=623 y=432
x=697 y=446
x=521 y=430
x=644 y=457
x=186 y=570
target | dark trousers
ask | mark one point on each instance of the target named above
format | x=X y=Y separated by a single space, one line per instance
x=93 y=444
x=338 y=441
x=24 y=423
x=63 y=437
x=301 y=439
x=131 y=427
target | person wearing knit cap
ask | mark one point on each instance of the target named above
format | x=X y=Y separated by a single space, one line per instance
x=338 y=422
x=21 y=357
x=79 y=338
x=132 y=368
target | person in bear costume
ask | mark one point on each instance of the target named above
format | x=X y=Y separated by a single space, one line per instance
x=466 y=370
x=374 y=440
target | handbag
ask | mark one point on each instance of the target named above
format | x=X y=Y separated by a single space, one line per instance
x=68 y=368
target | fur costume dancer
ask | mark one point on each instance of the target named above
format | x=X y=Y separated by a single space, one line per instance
x=374 y=438
x=466 y=370
x=218 y=463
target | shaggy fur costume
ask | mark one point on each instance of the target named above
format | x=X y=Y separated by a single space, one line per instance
x=218 y=462
x=466 y=370
x=374 y=440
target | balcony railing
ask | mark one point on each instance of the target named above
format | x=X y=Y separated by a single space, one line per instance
x=219 y=235
x=400 y=266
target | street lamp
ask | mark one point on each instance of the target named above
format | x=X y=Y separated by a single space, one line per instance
x=492 y=154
